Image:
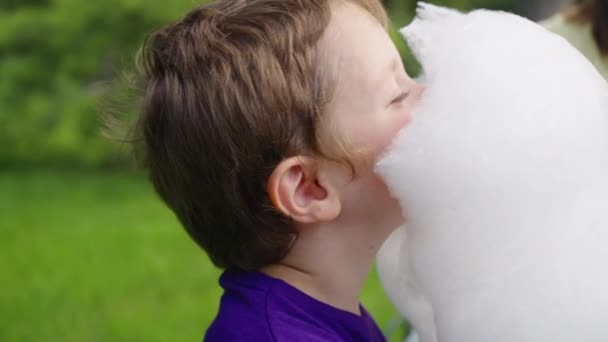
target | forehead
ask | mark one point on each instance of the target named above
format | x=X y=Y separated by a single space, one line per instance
x=355 y=48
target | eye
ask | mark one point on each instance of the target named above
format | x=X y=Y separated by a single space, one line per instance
x=400 y=98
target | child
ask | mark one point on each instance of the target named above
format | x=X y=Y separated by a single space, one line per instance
x=261 y=122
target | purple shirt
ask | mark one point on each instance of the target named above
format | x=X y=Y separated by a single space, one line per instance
x=257 y=307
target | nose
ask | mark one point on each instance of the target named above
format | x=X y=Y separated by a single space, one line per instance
x=419 y=89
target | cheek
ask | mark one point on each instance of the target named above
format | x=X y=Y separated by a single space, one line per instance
x=369 y=130
x=393 y=125
x=395 y=118
x=379 y=133
x=377 y=206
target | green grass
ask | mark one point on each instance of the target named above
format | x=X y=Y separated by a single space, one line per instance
x=97 y=257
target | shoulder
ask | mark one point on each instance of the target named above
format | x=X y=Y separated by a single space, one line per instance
x=554 y=22
x=242 y=313
x=581 y=37
x=294 y=316
x=247 y=320
x=238 y=330
x=256 y=307
x=289 y=321
x=573 y=32
x=237 y=320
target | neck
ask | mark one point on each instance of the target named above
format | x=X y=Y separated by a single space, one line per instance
x=330 y=264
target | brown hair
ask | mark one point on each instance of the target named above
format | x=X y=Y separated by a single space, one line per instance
x=229 y=91
x=594 y=12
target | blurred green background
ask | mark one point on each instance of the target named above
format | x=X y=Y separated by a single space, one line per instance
x=88 y=251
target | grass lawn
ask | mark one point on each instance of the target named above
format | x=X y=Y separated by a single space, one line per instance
x=97 y=257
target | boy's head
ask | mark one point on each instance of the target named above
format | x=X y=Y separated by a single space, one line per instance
x=243 y=100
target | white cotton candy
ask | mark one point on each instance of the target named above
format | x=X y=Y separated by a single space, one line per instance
x=503 y=179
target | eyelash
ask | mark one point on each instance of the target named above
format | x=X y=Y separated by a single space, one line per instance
x=401 y=97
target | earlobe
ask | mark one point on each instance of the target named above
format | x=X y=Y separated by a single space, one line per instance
x=298 y=192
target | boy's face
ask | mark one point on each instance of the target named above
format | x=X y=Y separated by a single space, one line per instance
x=373 y=100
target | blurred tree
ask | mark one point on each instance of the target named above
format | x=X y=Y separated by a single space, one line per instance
x=54 y=55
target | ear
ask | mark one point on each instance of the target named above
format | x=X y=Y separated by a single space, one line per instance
x=298 y=189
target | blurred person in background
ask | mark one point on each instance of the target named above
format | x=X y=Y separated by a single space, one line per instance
x=585 y=25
